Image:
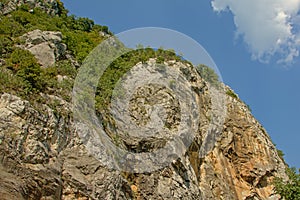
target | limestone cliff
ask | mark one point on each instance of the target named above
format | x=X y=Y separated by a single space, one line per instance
x=43 y=157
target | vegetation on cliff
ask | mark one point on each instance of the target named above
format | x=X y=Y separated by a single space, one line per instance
x=21 y=74
x=122 y=64
x=290 y=189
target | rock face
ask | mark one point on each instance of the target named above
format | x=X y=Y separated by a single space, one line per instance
x=42 y=157
x=46 y=46
x=49 y=6
x=244 y=161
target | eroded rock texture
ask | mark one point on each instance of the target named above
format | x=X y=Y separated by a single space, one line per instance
x=49 y=6
x=42 y=157
x=46 y=46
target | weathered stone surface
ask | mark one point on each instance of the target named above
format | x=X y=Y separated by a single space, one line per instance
x=49 y=6
x=244 y=161
x=46 y=46
x=31 y=142
x=41 y=156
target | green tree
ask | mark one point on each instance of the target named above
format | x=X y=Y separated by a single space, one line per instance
x=208 y=74
x=290 y=189
x=62 y=11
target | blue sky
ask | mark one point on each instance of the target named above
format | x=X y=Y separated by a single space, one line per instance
x=254 y=44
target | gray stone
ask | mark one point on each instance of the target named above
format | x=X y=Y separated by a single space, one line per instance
x=49 y=6
x=46 y=46
x=42 y=157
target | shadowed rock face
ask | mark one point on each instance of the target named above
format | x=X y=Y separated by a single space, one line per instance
x=41 y=156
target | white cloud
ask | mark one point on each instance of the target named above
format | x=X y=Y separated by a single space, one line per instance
x=269 y=27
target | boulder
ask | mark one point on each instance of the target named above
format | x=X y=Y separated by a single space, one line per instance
x=46 y=46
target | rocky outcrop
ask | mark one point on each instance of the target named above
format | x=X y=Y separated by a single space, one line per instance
x=49 y=6
x=46 y=46
x=244 y=160
x=42 y=157
x=31 y=143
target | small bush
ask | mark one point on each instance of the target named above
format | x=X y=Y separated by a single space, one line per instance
x=208 y=74
x=25 y=66
x=62 y=11
x=291 y=189
x=9 y=27
x=280 y=154
x=10 y=83
x=65 y=68
x=6 y=44
x=249 y=108
x=232 y=94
